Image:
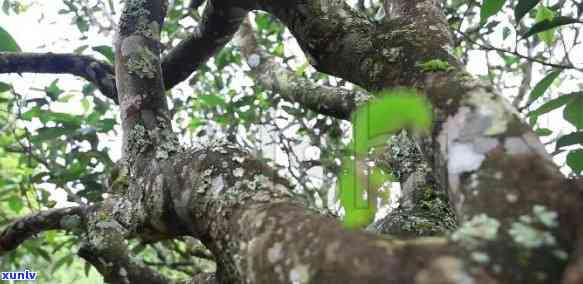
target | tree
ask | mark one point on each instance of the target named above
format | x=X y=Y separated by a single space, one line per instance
x=517 y=214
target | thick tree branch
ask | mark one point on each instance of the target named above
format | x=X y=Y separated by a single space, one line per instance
x=26 y=227
x=115 y=265
x=335 y=102
x=220 y=21
x=424 y=209
x=97 y=72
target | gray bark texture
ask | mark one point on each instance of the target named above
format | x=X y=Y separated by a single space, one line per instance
x=517 y=217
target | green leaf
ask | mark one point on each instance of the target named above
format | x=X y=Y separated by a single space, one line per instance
x=82 y=24
x=549 y=24
x=53 y=90
x=212 y=100
x=6 y=7
x=15 y=203
x=106 y=51
x=542 y=86
x=570 y=139
x=67 y=259
x=7 y=43
x=300 y=71
x=489 y=8
x=51 y=133
x=33 y=112
x=543 y=132
x=554 y=104
x=575 y=160
x=545 y=14
x=390 y=112
x=523 y=7
x=80 y=49
x=573 y=112
x=87 y=269
x=4 y=87
x=358 y=211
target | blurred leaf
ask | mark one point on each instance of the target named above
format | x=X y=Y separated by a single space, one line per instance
x=7 y=43
x=82 y=24
x=67 y=259
x=300 y=71
x=575 y=160
x=523 y=7
x=390 y=112
x=545 y=14
x=87 y=269
x=50 y=133
x=53 y=90
x=15 y=203
x=573 y=112
x=543 y=132
x=4 y=87
x=549 y=24
x=372 y=123
x=554 y=104
x=106 y=51
x=570 y=139
x=542 y=86
x=489 y=8
x=80 y=49
x=212 y=100
x=6 y=7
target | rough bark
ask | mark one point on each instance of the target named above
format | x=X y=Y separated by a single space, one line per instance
x=518 y=215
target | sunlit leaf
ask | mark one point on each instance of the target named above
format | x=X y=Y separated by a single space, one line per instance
x=545 y=14
x=523 y=7
x=15 y=203
x=212 y=100
x=549 y=24
x=554 y=104
x=489 y=8
x=389 y=113
x=106 y=51
x=4 y=87
x=542 y=86
x=372 y=124
x=575 y=160
x=573 y=112
x=7 y=43
x=570 y=139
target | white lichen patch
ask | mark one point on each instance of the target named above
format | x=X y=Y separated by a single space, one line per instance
x=478 y=229
x=218 y=185
x=299 y=274
x=445 y=269
x=545 y=216
x=143 y=64
x=253 y=60
x=275 y=253
x=238 y=172
x=464 y=158
x=530 y=237
x=480 y=257
x=527 y=233
x=496 y=111
x=511 y=197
